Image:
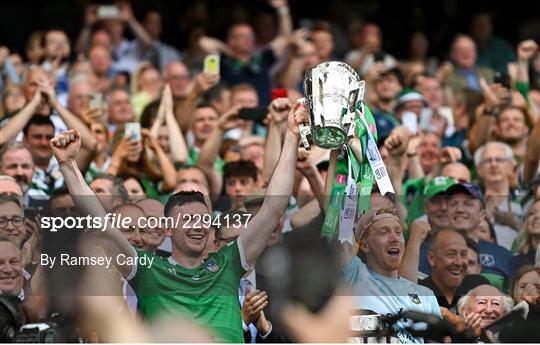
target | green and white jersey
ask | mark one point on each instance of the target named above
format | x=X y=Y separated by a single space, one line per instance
x=207 y=294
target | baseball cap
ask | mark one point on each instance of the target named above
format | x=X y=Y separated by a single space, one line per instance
x=410 y=95
x=371 y=217
x=469 y=188
x=437 y=185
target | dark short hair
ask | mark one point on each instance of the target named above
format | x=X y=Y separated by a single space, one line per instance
x=38 y=120
x=183 y=198
x=240 y=168
x=471 y=244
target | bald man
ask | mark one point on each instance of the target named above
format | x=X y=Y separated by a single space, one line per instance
x=448 y=258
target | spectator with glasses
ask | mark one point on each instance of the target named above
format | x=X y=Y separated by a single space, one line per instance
x=494 y=163
x=12 y=219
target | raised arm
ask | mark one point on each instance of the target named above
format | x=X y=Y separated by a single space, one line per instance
x=210 y=149
x=166 y=168
x=179 y=150
x=201 y=84
x=65 y=147
x=279 y=190
x=19 y=120
x=88 y=140
x=279 y=43
x=411 y=258
x=83 y=40
x=126 y=14
x=293 y=74
x=278 y=111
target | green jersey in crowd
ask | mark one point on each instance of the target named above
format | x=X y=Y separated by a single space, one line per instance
x=207 y=294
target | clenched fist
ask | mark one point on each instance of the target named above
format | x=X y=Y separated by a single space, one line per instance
x=66 y=145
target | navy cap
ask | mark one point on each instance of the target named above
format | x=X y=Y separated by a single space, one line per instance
x=469 y=188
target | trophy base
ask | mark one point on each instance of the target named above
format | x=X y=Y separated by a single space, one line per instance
x=329 y=137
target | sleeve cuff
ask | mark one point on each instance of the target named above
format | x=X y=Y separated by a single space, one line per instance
x=245 y=327
x=264 y=336
x=242 y=253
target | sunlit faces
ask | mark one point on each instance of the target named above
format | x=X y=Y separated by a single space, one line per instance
x=103 y=188
x=78 y=96
x=465 y=212
x=189 y=237
x=488 y=302
x=511 y=125
x=129 y=216
x=532 y=220
x=384 y=245
x=324 y=42
x=495 y=166
x=152 y=236
x=134 y=188
x=448 y=259
x=38 y=139
x=474 y=266
x=120 y=110
x=192 y=175
x=483 y=231
x=437 y=211
x=429 y=151
x=163 y=139
x=10 y=187
x=387 y=87
x=238 y=187
x=177 y=76
x=204 y=123
x=18 y=163
x=11 y=278
x=12 y=222
x=527 y=286
x=99 y=130
x=100 y=59
x=457 y=171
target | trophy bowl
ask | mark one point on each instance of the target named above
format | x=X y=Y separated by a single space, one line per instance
x=333 y=90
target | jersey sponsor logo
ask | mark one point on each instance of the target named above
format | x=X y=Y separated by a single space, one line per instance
x=414 y=298
x=487 y=260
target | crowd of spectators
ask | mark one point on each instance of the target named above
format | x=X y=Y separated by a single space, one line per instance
x=136 y=128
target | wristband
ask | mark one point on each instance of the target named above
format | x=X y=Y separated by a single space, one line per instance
x=411 y=154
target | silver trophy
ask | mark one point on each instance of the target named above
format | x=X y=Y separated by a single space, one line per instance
x=333 y=90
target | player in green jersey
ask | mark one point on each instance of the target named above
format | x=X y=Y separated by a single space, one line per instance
x=188 y=281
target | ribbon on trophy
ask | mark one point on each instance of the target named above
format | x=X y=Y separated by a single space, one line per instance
x=346 y=200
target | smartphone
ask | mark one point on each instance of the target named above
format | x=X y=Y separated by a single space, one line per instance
x=107 y=11
x=255 y=114
x=279 y=93
x=502 y=78
x=425 y=118
x=410 y=121
x=96 y=100
x=379 y=56
x=211 y=64
x=133 y=131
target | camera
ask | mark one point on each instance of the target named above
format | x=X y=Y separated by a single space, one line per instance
x=56 y=329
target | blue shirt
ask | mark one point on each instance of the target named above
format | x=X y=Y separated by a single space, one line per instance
x=389 y=296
